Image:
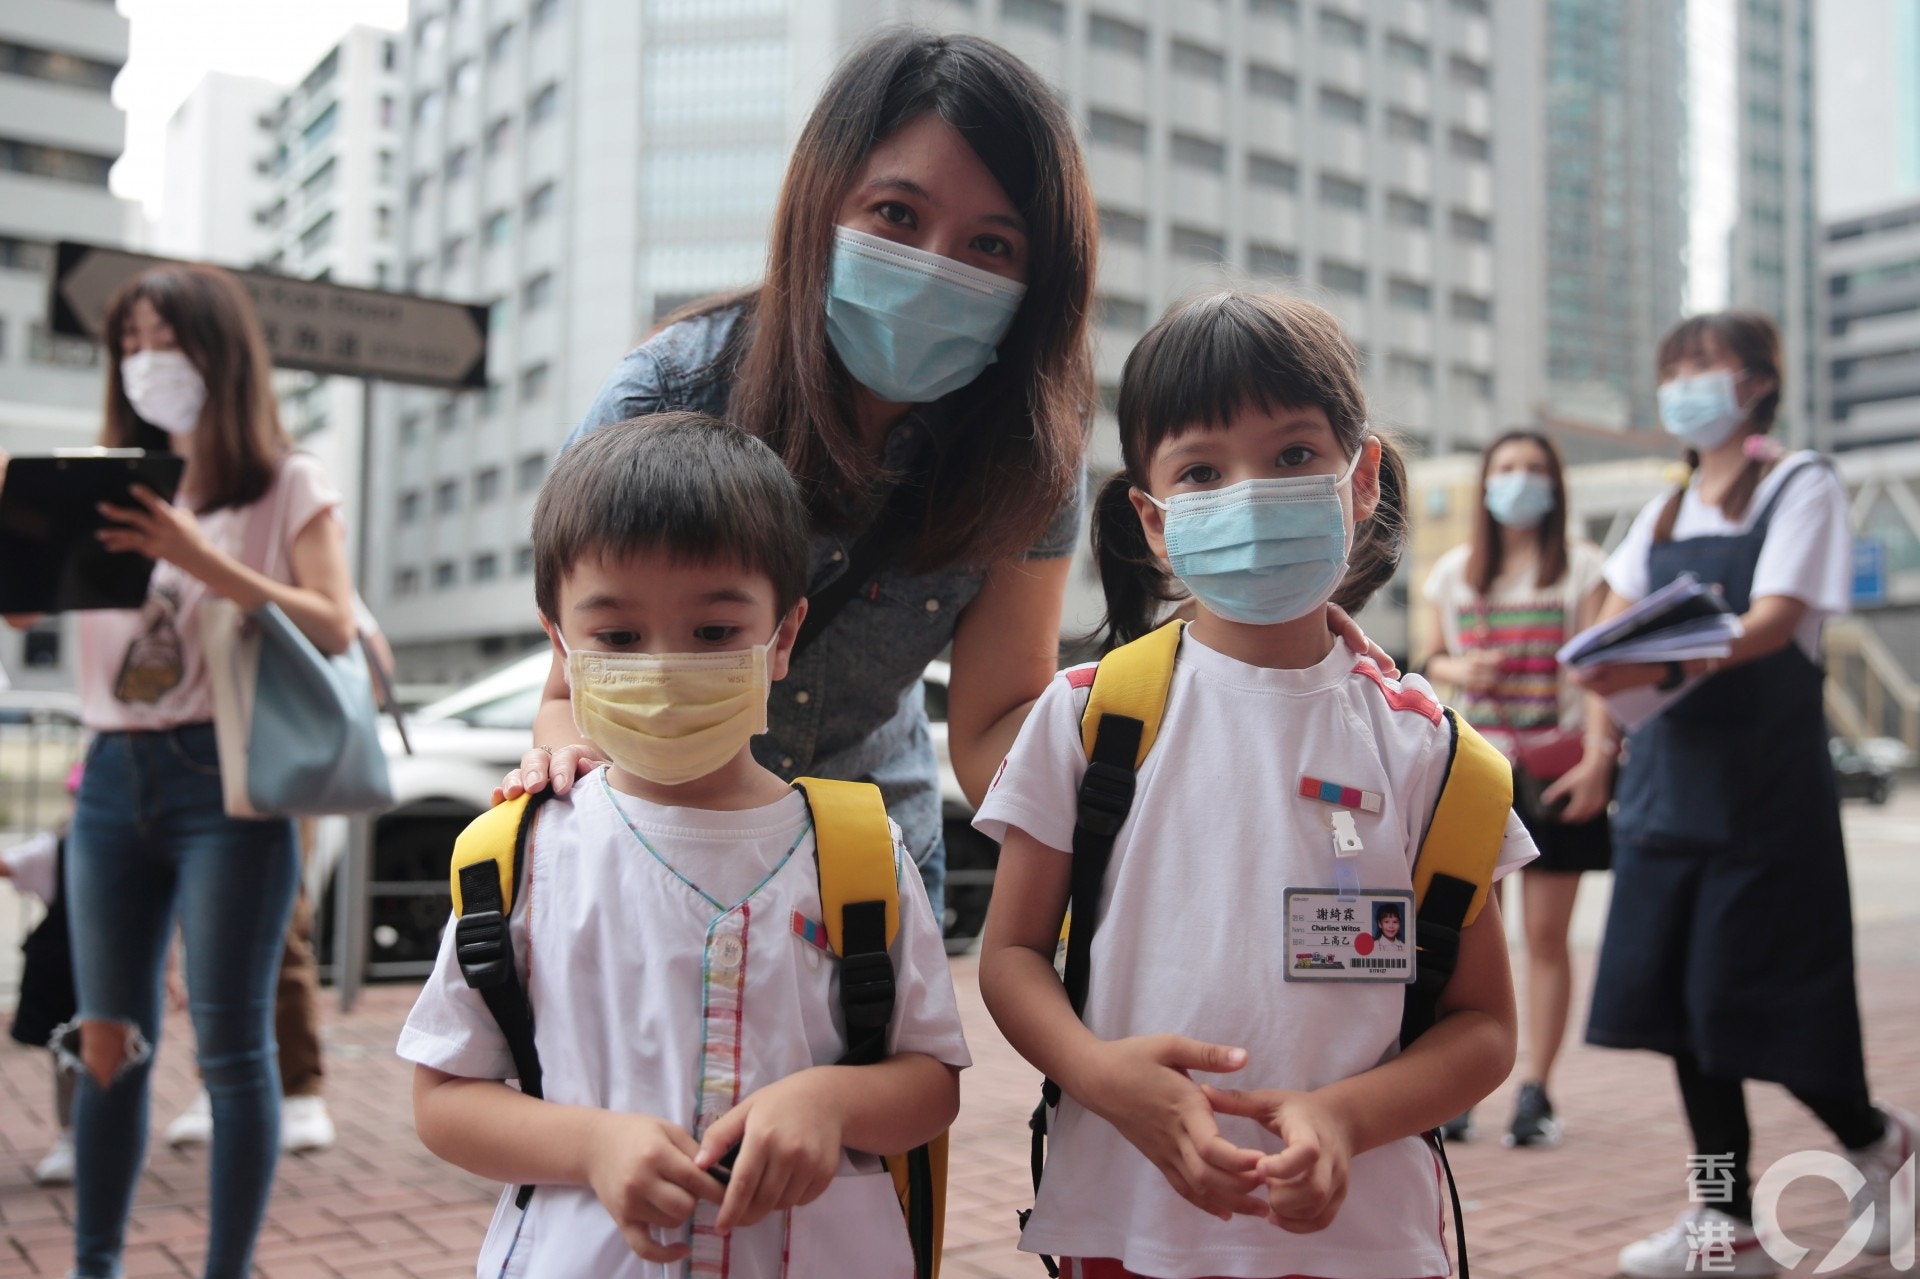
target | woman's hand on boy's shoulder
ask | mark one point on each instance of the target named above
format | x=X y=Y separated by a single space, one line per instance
x=1307 y=1181
x=643 y=1172
x=1140 y=1085
x=561 y=765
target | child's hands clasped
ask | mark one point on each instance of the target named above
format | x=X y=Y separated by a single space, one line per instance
x=789 y=1134
x=643 y=1171
x=1140 y=1086
x=1307 y=1181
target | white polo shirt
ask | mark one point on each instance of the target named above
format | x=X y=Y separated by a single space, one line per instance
x=672 y=970
x=1191 y=940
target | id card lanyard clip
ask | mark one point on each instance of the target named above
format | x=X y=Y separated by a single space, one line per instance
x=1346 y=854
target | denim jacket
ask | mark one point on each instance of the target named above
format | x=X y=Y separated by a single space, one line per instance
x=852 y=706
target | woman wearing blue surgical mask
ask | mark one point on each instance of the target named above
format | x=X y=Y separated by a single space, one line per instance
x=918 y=354
x=1727 y=838
x=1501 y=607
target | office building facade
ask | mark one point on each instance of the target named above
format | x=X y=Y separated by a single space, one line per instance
x=1870 y=331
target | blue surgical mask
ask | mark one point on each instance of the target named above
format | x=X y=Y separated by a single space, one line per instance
x=1701 y=410
x=911 y=326
x=1260 y=551
x=1520 y=499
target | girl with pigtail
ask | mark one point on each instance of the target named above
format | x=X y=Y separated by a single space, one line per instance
x=1217 y=1066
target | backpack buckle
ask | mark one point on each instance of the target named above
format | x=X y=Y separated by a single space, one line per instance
x=484 y=950
x=866 y=991
x=1106 y=797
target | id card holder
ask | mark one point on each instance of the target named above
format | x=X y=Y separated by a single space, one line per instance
x=1365 y=936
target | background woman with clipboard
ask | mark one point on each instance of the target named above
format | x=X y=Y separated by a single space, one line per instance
x=255 y=523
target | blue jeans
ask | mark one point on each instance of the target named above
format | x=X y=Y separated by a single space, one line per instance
x=150 y=837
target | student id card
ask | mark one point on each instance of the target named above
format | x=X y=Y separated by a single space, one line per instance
x=1349 y=937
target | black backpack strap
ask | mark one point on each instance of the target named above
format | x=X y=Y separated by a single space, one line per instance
x=484 y=948
x=866 y=982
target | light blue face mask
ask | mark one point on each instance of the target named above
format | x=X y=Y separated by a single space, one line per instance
x=911 y=326
x=1520 y=499
x=1260 y=551
x=1701 y=410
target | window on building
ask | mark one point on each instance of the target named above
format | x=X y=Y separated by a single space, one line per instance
x=1408 y=210
x=1409 y=370
x=540 y=203
x=446 y=574
x=490 y=399
x=383 y=168
x=1127 y=314
x=529 y=471
x=1272 y=171
x=1409 y=295
x=545 y=11
x=1338 y=28
x=1117 y=227
x=486 y=485
x=382 y=223
x=59 y=68
x=1468 y=145
x=25 y=255
x=406 y=581
x=389 y=55
x=430 y=32
x=1115 y=130
x=1477 y=7
x=1343 y=277
x=407 y=508
x=417 y=274
x=486 y=566
x=1342 y=193
x=44 y=346
x=498 y=227
x=1104 y=32
x=1276 y=10
x=426 y=108
x=417 y=190
x=447 y=415
x=1197 y=244
x=464 y=80
x=1470 y=227
x=1190 y=151
x=544 y=104
x=537 y=292
x=388 y=108
x=500 y=43
x=1264 y=81
x=1404 y=49
x=453 y=252
x=1198 y=61
x=533 y=381
x=1271 y=260
x=1337 y=104
x=459 y=160
x=410 y=428
x=1471 y=306
x=1049 y=14
x=1405 y=126
x=319 y=235
x=446 y=497
x=523 y=561
x=1467 y=73
x=1471 y=383
x=498 y=137
x=59 y=163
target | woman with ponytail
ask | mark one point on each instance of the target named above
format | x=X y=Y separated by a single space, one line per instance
x=1727 y=840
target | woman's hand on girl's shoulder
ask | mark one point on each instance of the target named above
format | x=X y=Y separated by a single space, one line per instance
x=1348 y=632
x=1142 y=1088
x=1306 y=1182
x=562 y=765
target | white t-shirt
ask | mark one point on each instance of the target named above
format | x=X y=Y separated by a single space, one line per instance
x=1529 y=624
x=667 y=956
x=1191 y=941
x=146 y=668
x=1807 y=555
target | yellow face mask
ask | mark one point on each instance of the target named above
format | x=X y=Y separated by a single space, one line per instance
x=669 y=718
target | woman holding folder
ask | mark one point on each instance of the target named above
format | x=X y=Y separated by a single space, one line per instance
x=1727 y=840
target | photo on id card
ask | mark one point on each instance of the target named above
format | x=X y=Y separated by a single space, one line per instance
x=1364 y=936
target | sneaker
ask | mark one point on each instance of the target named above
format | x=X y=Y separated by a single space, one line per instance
x=1702 y=1240
x=1459 y=1128
x=1879 y=1163
x=56 y=1167
x=1533 y=1122
x=305 y=1124
x=194 y=1127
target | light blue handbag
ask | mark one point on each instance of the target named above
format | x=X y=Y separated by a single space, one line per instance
x=298 y=731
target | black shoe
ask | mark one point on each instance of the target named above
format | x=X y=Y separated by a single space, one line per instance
x=1458 y=1128
x=1533 y=1122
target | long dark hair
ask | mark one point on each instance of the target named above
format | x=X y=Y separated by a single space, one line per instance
x=1022 y=424
x=238 y=443
x=1205 y=361
x=1751 y=338
x=1483 y=561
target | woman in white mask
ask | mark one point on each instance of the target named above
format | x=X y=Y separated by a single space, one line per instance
x=256 y=523
x=1727 y=838
x=1500 y=608
x=918 y=354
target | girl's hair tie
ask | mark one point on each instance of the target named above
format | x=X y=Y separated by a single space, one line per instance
x=1762 y=448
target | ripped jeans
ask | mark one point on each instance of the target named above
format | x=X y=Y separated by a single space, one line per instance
x=150 y=837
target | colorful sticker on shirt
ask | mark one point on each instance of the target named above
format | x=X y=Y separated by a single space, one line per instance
x=1365 y=937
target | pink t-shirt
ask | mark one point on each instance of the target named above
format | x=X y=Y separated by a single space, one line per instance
x=145 y=668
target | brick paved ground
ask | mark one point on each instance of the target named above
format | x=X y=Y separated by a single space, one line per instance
x=377 y=1205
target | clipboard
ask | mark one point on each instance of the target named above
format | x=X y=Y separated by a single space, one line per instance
x=50 y=560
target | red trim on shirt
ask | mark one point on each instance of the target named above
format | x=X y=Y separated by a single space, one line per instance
x=1399 y=698
x=1082 y=676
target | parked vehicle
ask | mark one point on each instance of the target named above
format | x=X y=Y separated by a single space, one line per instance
x=464 y=743
x=1862 y=774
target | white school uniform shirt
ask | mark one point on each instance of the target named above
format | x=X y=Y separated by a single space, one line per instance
x=1191 y=940
x=666 y=955
x=1807 y=555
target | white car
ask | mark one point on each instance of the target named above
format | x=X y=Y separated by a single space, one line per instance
x=463 y=744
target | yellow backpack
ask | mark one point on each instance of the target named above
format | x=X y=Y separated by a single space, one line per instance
x=860 y=900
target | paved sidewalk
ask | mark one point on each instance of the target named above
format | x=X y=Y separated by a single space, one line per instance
x=378 y=1205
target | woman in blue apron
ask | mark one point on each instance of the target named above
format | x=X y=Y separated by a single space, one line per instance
x=1727 y=839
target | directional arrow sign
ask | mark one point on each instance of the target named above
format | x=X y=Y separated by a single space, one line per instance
x=310 y=324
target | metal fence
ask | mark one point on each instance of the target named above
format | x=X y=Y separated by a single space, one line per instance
x=40 y=742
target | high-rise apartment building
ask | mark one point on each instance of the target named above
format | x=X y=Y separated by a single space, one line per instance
x=1869 y=112
x=218 y=175
x=59 y=135
x=1870 y=334
x=586 y=165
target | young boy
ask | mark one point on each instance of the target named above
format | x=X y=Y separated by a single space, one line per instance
x=680 y=1008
